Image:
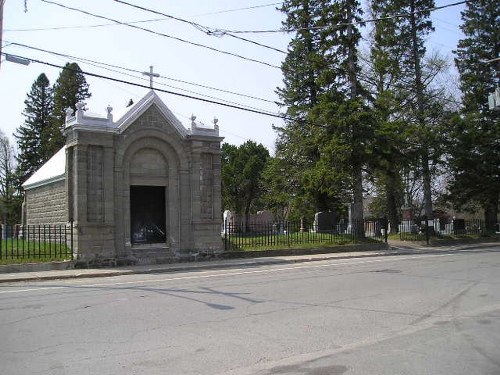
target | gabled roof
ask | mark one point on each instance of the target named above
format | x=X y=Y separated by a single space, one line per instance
x=53 y=170
x=85 y=120
x=141 y=106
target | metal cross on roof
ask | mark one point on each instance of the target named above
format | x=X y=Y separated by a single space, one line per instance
x=151 y=75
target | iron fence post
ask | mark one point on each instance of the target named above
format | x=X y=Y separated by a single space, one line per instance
x=225 y=236
x=288 y=233
x=426 y=230
x=71 y=235
x=386 y=228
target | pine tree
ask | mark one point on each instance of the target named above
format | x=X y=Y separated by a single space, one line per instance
x=385 y=71
x=399 y=58
x=69 y=89
x=324 y=144
x=384 y=75
x=412 y=31
x=474 y=147
x=304 y=64
x=351 y=108
x=32 y=136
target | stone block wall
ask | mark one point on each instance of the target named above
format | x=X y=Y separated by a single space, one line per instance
x=46 y=204
x=94 y=242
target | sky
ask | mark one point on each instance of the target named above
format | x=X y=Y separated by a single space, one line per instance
x=129 y=51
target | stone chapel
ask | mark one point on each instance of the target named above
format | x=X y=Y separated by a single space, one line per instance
x=137 y=187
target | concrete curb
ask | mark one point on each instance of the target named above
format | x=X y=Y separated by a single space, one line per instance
x=230 y=256
x=181 y=267
x=221 y=264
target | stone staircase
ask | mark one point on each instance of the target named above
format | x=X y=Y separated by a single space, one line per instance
x=153 y=254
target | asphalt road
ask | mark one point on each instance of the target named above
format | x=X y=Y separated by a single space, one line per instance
x=410 y=314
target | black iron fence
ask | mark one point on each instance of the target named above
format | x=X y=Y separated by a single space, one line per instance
x=46 y=242
x=424 y=230
x=244 y=236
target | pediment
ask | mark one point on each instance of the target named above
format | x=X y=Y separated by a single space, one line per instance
x=150 y=111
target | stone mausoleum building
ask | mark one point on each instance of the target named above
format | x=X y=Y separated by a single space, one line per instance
x=138 y=188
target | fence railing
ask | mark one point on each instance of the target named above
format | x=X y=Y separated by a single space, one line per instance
x=243 y=236
x=36 y=242
x=422 y=230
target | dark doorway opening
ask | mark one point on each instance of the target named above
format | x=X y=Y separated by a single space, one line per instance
x=147 y=214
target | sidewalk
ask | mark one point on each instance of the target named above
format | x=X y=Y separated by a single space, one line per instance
x=46 y=271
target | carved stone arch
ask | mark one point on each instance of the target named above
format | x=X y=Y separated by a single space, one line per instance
x=166 y=161
x=171 y=148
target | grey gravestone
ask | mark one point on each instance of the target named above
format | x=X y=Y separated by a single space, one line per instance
x=325 y=221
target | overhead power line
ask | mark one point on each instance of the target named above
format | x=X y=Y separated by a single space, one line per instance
x=104 y=65
x=344 y=24
x=205 y=29
x=162 y=34
x=132 y=22
x=83 y=26
x=238 y=107
x=240 y=9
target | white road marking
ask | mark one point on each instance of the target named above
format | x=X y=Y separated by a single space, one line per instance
x=237 y=272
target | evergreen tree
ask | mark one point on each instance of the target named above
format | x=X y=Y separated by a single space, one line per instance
x=69 y=89
x=474 y=147
x=348 y=98
x=33 y=136
x=325 y=143
x=304 y=69
x=383 y=74
x=412 y=33
x=404 y=98
x=481 y=43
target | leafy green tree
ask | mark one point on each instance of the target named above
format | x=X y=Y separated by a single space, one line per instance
x=474 y=148
x=33 y=137
x=69 y=89
x=242 y=169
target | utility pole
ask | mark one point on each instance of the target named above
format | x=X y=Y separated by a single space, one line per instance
x=2 y=2
x=494 y=97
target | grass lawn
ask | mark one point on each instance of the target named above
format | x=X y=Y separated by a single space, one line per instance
x=297 y=240
x=15 y=251
x=442 y=237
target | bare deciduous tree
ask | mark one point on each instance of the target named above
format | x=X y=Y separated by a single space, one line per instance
x=7 y=186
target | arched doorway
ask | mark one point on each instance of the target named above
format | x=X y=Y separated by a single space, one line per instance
x=147 y=214
x=148 y=197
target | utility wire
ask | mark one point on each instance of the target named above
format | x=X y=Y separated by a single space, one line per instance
x=98 y=65
x=103 y=65
x=162 y=34
x=239 y=9
x=84 y=26
x=344 y=24
x=133 y=22
x=205 y=29
x=238 y=107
